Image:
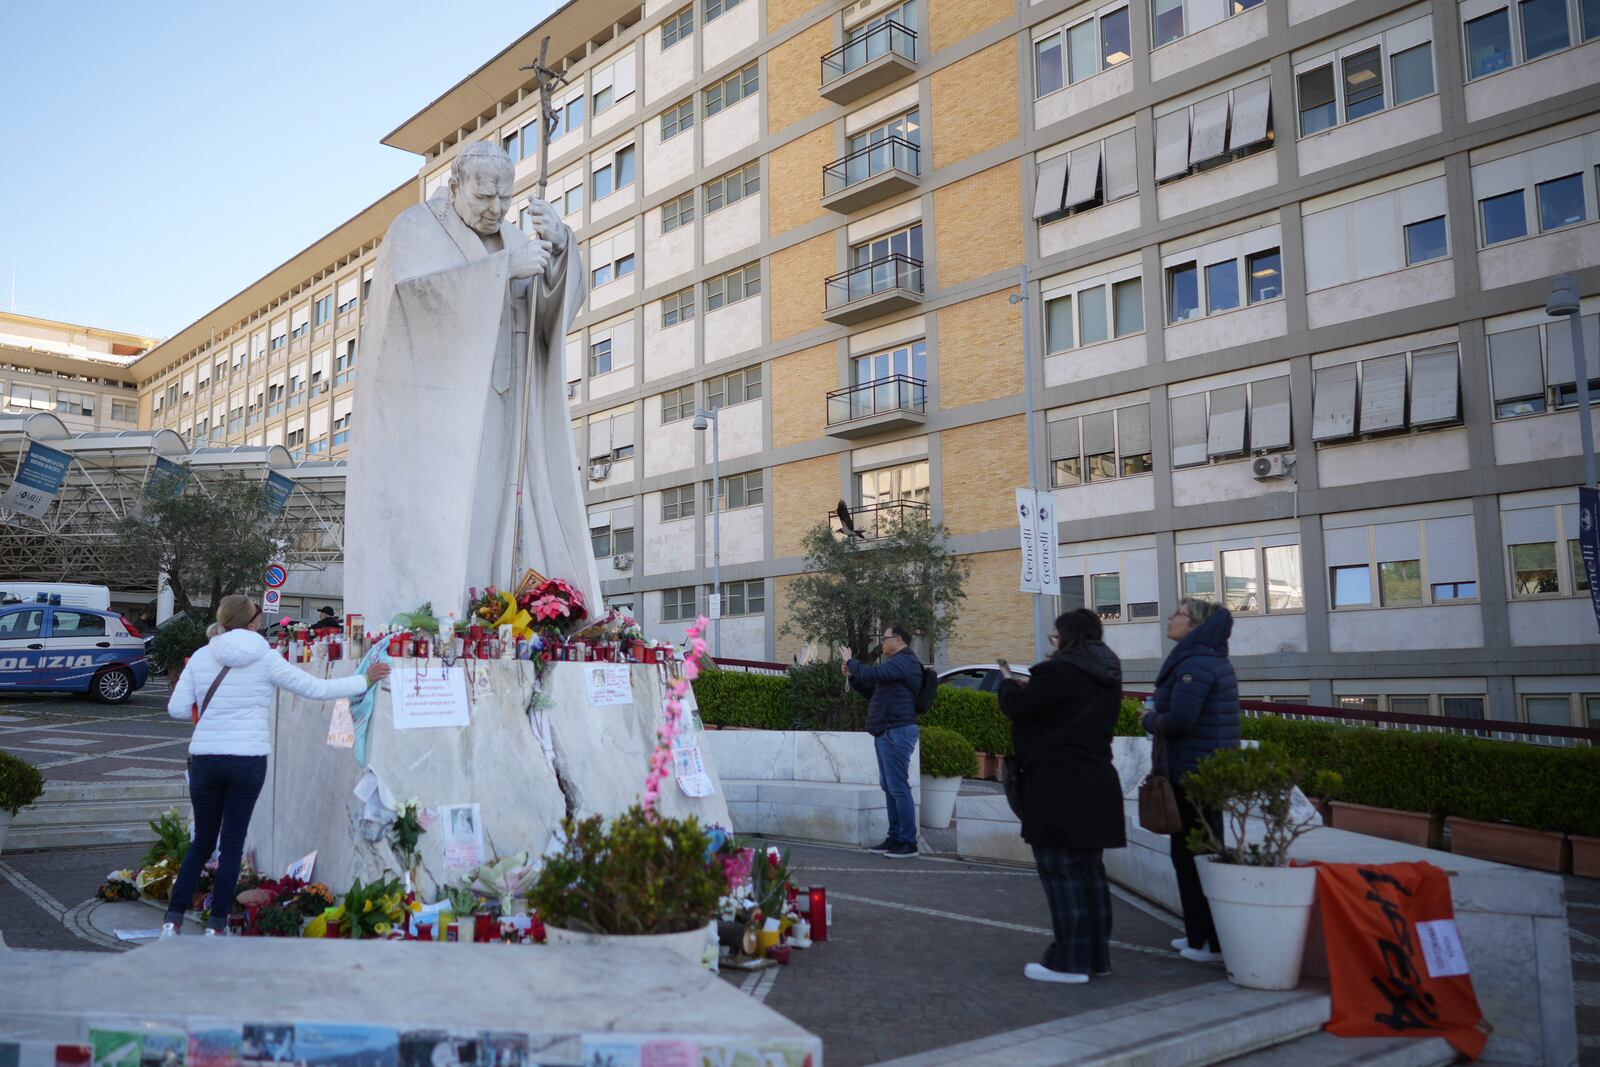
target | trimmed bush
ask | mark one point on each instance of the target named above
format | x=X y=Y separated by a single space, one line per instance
x=733 y=698
x=819 y=699
x=974 y=715
x=1129 y=718
x=20 y=783
x=946 y=754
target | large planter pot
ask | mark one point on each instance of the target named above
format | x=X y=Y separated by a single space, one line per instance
x=938 y=802
x=1585 y=855
x=1544 y=850
x=1262 y=915
x=698 y=946
x=1412 y=827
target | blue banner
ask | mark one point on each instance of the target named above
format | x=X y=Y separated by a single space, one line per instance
x=38 y=480
x=167 y=479
x=278 y=490
x=1589 y=541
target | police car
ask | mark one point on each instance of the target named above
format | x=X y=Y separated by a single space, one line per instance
x=55 y=648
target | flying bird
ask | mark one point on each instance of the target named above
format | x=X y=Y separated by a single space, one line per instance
x=846 y=524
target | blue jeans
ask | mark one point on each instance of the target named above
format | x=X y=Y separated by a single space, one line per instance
x=223 y=790
x=894 y=747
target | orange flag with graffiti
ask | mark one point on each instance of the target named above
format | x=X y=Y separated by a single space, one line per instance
x=1395 y=960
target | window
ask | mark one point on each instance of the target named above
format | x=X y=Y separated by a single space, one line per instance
x=734 y=286
x=1258 y=274
x=1284 y=591
x=732 y=89
x=678 y=212
x=1503 y=217
x=907 y=483
x=600 y=357
x=1100 y=445
x=895 y=260
x=615 y=174
x=77 y=624
x=1266 y=275
x=716 y=8
x=615 y=538
x=612 y=257
x=1400 y=582
x=565 y=119
x=279 y=340
x=887 y=146
x=1081 y=317
x=678 y=604
x=319 y=445
x=1560 y=202
x=677 y=118
x=1495 y=41
x=1531 y=369
x=735 y=388
x=1544 y=26
x=21 y=624
x=677 y=307
x=891 y=380
x=1363 y=84
x=1370 y=396
x=677 y=503
x=344 y=363
x=296 y=438
x=1088 y=46
x=732 y=188
x=322 y=310
x=44 y=395
x=341 y=429
x=1183 y=293
x=124 y=411
x=1352 y=586
x=1350 y=84
x=1230 y=422
x=1222 y=286
x=743 y=598
x=74 y=403
x=1319 y=110
x=677 y=404
x=1118 y=586
x=1402 y=564
x=1412 y=73
x=1488 y=43
x=1214 y=131
x=1086 y=177
x=1539 y=564
x=1426 y=241
x=739 y=491
x=677 y=27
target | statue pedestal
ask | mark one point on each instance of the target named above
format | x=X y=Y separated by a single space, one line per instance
x=581 y=759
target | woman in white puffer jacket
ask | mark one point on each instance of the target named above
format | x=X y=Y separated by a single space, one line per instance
x=228 y=753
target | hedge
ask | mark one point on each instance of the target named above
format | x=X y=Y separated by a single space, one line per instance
x=732 y=698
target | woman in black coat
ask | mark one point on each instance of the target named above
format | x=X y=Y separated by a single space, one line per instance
x=1062 y=721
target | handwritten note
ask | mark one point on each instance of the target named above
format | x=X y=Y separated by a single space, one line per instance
x=341 y=727
x=429 y=696
x=689 y=768
x=608 y=684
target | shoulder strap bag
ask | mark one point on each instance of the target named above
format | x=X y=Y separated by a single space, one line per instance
x=199 y=709
x=1158 y=804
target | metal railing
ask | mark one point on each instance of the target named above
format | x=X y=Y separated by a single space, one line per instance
x=898 y=392
x=751 y=666
x=891 y=153
x=874 y=521
x=895 y=271
x=877 y=42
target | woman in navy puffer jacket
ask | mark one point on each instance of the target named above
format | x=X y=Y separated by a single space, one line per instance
x=1196 y=713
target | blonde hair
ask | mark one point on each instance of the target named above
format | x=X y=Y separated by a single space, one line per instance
x=236 y=611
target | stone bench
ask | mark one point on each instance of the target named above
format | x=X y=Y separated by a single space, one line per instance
x=804 y=784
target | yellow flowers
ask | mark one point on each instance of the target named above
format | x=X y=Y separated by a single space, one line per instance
x=382 y=929
x=366 y=906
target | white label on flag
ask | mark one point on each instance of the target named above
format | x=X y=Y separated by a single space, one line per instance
x=1028 y=526
x=1045 y=512
x=1441 y=948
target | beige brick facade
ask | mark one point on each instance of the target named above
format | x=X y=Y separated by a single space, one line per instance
x=980 y=350
x=983 y=464
x=995 y=619
x=797 y=276
x=967 y=119
x=802 y=495
x=782 y=12
x=800 y=385
x=784 y=646
x=795 y=172
x=979 y=224
x=953 y=21
x=793 y=74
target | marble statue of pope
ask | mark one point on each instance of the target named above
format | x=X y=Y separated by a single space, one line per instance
x=466 y=322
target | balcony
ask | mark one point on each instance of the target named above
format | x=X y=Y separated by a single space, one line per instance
x=891 y=403
x=872 y=289
x=877 y=521
x=882 y=55
x=870 y=174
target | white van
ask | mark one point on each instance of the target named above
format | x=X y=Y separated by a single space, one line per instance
x=96 y=597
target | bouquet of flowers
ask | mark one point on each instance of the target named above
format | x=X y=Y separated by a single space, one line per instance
x=313 y=900
x=408 y=831
x=505 y=879
x=374 y=909
x=554 y=602
x=119 y=885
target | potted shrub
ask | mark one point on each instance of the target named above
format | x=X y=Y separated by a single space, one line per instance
x=652 y=882
x=1261 y=905
x=947 y=757
x=20 y=785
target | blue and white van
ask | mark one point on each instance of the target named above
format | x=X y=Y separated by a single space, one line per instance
x=48 y=648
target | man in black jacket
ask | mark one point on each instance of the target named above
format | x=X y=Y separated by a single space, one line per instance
x=891 y=686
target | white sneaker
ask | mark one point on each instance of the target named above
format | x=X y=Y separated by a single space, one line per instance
x=1179 y=944
x=1040 y=973
x=168 y=930
x=1200 y=955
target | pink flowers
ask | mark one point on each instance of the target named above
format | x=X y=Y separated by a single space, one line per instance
x=553 y=600
x=661 y=758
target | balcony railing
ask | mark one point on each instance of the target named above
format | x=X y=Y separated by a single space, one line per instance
x=875 y=521
x=870 y=174
x=899 y=394
x=874 y=288
x=882 y=55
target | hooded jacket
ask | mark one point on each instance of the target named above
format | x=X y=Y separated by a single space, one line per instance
x=1197 y=699
x=235 y=723
x=890 y=686
x=1062 y=722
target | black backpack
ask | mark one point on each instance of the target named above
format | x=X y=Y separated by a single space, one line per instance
x=928 y=691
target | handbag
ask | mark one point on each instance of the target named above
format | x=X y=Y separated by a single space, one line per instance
x=1158 y=804
x=1011 y=781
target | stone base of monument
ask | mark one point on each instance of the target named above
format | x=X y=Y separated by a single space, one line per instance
x=525 y=767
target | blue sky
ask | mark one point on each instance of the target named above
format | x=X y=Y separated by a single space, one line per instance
x=162 y=156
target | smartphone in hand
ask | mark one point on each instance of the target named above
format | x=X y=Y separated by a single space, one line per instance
x=1005 y=668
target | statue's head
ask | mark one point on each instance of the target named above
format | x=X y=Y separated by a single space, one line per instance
x=480 y=186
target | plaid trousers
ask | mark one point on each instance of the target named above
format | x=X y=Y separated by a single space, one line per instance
x=1080 y=908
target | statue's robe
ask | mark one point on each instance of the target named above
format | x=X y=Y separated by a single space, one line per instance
x=431 y=500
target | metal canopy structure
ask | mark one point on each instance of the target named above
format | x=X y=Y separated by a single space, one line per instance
x=75 y=541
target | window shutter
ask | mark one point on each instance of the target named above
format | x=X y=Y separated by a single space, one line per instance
x=1452 y=553
x=1188 y=430
x=301 y=317
x=320 y=361
x=319 y=423
x=1251 y=105
x=1375 y=238
x=1327 y=248
x=622 y=430
x=1425 y=200
x=1172 y=144
x=1139 y=576
x=1210 y=136
x=1122 y=172
x=1269 y=414
x=1346 y=547
x=275 y=436
x=1225 y=436
x=625 y=77
x=1435 y=387
x=1383 y=393
x=1397 y=541
x=1529 y=525
x=347 y=291
x=1063 y=439
x=1333 y=411
x=600 y=520
x=1133 y=430
x=1558 y=336
x=622 y=517
x=298 y=370
x=1084 y=179
x=1047 y=194
x=1099 y=433
x=1515 y=365
x=341 y=407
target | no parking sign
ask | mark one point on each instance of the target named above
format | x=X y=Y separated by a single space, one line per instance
x=273 y=578
x=269 y=602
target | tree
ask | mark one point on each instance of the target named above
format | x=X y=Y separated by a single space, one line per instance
x=211 y=541
x=907 y=577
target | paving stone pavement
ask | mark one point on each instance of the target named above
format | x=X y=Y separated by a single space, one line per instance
x=71 y=739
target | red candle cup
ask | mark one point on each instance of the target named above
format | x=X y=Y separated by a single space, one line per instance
x=483 y=927
x=779 y=953
x=819 y=912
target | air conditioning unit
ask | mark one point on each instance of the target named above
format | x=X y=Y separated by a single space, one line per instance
x=598 y=472
x=622 y=561
x=1276 y=465
x=572 y=390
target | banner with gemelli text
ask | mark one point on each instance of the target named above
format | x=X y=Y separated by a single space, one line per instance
x=1589 y=541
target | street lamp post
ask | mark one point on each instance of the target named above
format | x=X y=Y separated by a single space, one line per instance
x=700 y=418
x=1564 y=300
x=1041 y=618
